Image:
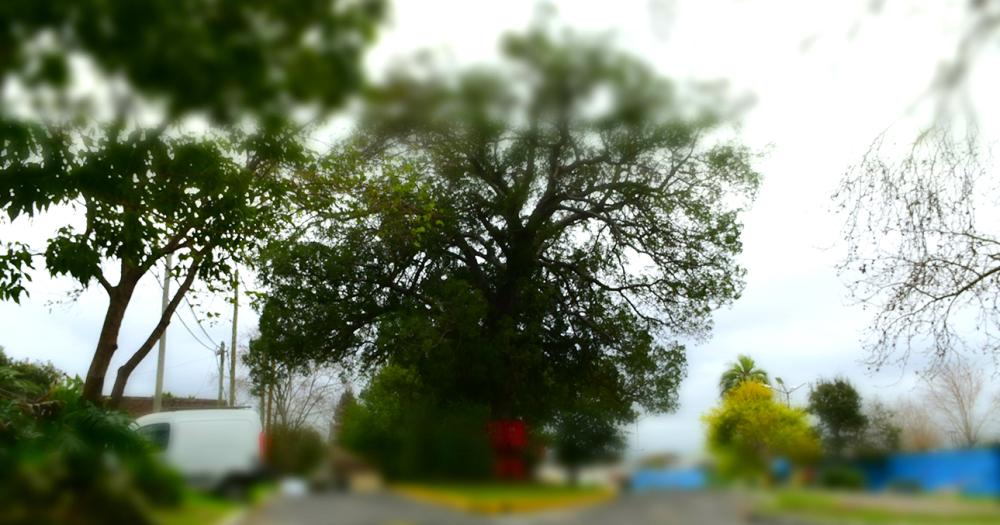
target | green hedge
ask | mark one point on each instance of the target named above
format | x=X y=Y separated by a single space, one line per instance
x=65 y=461
x=412 y=437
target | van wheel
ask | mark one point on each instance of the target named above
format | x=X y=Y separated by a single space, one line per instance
x=233 y=489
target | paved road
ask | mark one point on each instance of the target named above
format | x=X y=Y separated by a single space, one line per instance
x=385 y=509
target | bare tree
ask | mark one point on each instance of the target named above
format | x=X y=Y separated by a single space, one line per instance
x=955 y=392
x=918 y=432
x=921 y=249
x=291 y=395
x=306 y=398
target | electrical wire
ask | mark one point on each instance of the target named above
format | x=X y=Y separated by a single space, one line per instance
x=185 y=325
x=202 y=343
x=196 y=320
x=175 y=366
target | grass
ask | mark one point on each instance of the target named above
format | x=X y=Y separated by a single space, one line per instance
x=863 y=509
x=496 y=498
x=197 y=509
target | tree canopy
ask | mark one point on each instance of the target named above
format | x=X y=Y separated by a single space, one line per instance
x=521 y=233
x=224 y=58
x=838 y=406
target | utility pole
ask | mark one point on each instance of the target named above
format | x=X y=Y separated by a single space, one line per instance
x=161 y=355
x=222 y=369
x=232 y=346
x=786 y=391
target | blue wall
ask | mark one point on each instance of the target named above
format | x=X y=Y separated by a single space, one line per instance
x=673 y=479
x=974 y=472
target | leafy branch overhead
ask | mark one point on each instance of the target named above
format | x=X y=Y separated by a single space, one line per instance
x=206 y=201
x=96 y=100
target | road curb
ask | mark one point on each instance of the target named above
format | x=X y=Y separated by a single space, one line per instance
x=511 y=506
x=237 y=516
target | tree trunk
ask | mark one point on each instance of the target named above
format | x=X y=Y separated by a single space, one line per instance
x=573 y=472
x=505 y=312
x=107 y=342
x=270 y=408
x=125 y=370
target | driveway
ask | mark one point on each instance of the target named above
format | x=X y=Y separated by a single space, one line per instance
x=702 y=508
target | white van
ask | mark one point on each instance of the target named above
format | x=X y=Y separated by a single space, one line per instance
x=219 y=449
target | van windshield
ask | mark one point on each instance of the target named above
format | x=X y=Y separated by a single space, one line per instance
x=157 y=433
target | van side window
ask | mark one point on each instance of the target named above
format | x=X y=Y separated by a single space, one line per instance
x=158 y=433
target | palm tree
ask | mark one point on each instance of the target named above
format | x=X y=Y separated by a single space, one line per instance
x=744 y=369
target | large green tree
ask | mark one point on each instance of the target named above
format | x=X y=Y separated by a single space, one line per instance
x=521 y=233
x=838 y=406
x=95 y=98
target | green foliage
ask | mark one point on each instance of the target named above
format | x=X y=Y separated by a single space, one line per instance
x=838 y=406
x=264 y=371
x=585 y=436
x=481 y=233
x=881 y=436
x=295 y=451
x=744 y=369
x=145 y=196
x=15 y=262
x=409 y=435
x=842 y=477
x=26 y=380
x=65 y=461
x=750 y=430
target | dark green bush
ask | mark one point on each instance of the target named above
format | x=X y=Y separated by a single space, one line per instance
x=906 y=486
x=65 y=461
x=294 y=451
x=413 y=437
x=842 y=477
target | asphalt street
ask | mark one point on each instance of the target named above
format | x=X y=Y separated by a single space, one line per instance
x=700 y=508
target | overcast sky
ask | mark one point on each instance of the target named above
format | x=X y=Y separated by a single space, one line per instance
x=827 y=77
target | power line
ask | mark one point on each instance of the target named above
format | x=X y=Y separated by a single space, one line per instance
x=185 y=325
x=178 y=365
x=202 y=343
x=196 y=320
